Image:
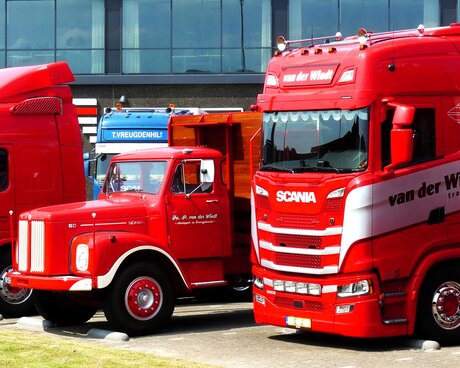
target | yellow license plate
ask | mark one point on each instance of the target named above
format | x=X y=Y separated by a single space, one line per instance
x=298 y=322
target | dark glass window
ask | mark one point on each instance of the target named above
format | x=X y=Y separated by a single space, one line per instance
x=424 y=129
x=3 y=170
x=309 y=18
x=407 y=14
x=312 y=17
x=21 y=58
x=365 y=11
x=196 y=36
x=196 y=24
x=146 y=30
x=2 y=30
x=80 y=35
x=246 y=35
x=68 y=30
x=35 y=33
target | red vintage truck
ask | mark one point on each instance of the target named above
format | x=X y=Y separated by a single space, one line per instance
x=168 y=222
x=41 y=157
x=357 y=200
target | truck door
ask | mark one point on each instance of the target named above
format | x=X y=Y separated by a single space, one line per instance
x=6 y=192
x=409 y=205
x=194 y=211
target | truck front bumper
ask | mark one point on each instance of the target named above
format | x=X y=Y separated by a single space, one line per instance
x=354 y=317
x=61 y=283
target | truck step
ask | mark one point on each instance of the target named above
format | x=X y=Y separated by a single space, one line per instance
x=395 y=321
x=395 y=294
x=395 y=297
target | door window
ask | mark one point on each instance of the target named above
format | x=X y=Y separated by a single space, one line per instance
x=187 y=179
x=3 y=170
x=424 y=129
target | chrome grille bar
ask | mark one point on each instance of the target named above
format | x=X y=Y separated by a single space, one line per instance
x=23 y=242
x=37 y=251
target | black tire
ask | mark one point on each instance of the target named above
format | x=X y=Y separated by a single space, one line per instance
x=14 y=302
x=62 y=309
x=438 y=309
x=140 y=300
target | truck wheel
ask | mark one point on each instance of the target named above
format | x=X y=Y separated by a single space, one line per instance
x=14 y=302
x=62 y=309
x=140 y=301
x=438 y=313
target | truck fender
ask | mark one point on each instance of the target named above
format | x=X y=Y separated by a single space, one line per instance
x=424 y=266
x=104 y=280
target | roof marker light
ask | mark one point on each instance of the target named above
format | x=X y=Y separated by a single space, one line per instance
x=421 y=29
x=363 y=36
x=281 y=43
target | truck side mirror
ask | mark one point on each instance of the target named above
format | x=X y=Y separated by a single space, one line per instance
x=207 y=171
x=401 y=136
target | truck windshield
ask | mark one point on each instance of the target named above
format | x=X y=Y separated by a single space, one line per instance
x=327 y=140
x=143 y=176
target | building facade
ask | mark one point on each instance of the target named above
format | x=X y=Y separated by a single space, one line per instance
x=200 y=53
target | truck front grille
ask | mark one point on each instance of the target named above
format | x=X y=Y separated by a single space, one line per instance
x=31 y=248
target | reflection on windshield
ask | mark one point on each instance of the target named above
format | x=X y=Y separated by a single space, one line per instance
x=328 y=140
x=144 y=176
x=102 y=164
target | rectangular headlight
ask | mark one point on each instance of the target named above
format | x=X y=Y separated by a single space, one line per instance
x=301 y=288
x=314 y=289
x=278 y=285
x=290 y=286
x=355 y=289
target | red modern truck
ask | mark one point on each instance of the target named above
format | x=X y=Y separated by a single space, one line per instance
x=41 y=157
x=357 y=200
x=168 y=222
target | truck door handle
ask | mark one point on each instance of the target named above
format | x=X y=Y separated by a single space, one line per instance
x=212 y=201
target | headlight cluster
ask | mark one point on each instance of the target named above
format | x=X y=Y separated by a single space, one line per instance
x=297 y=287
x=258 y=282
x=355 y=289
x=82 y=257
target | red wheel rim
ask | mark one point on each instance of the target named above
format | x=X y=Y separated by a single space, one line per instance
x=143 y=298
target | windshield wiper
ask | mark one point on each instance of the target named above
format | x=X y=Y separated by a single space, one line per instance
x=276 y=168
x=315 y=169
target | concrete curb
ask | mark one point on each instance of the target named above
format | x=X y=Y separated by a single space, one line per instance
x=97 y=333
x=426 y=345
x=94 y=333
x=35 y=324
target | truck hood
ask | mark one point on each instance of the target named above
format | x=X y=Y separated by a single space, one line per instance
x=126 y=206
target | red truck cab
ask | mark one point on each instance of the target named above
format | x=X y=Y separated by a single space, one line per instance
x=357 y=211
x=41 y=157
x=169 y=221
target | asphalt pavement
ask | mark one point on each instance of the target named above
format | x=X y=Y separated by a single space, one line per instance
x=225 y=335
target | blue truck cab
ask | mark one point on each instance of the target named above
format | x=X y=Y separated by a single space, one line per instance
x=128 y=129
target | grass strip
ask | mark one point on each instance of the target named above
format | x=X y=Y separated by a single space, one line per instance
x=25 y=349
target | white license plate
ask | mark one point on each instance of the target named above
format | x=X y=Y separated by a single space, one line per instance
x=298 y=322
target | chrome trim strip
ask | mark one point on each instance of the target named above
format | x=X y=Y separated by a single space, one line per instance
x=336 y=230
x=302 y=251
x=328 y=270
